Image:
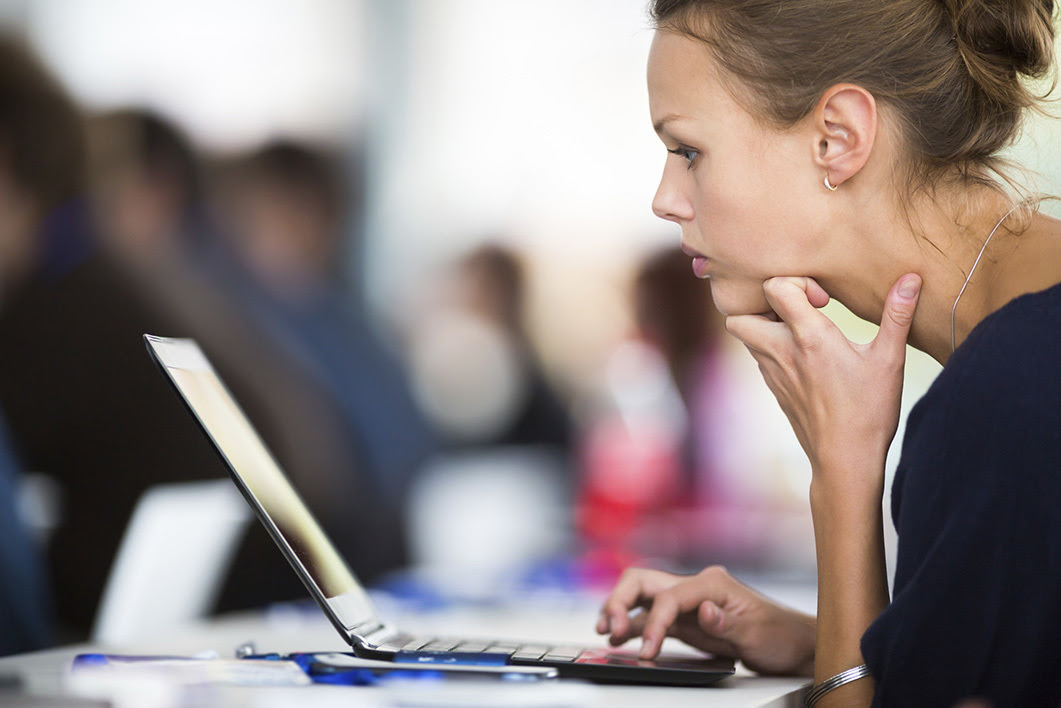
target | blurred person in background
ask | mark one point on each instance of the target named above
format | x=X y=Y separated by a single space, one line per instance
x=146 y=189
x=674 y=315
x=673 y=312
x=506 y=433
x=723 y=512
x=476 y=372
x=148 y=192
x=40 y=169
x=650 y=451
x=85 y=404
x=284 y=210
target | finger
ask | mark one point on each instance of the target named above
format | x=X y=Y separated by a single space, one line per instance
x=635 y=588
x=769 y=368
x=898 y=316
x=701 y=628
x=793 y=299
x=634 y=628
x=757 y=332
x=666 y=608
x=716 y=622
x=686 y=629
x=816 y=294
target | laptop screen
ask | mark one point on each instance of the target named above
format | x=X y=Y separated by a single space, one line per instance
x=277 y=502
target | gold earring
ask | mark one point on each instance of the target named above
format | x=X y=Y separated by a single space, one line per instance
x=828 y=186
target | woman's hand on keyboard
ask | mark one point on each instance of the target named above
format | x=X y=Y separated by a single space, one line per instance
x=711 y=611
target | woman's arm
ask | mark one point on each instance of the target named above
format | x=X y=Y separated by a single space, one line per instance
x=843 y=400
x=852 y=581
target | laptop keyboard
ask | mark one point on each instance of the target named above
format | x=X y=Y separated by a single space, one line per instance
x=593 y=664
x=436 y=650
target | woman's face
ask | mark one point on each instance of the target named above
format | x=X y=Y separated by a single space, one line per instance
x=749 y=198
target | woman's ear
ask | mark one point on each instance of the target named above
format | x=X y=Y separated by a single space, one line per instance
x=845 y=128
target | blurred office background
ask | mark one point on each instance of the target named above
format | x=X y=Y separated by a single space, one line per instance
x=417 y=235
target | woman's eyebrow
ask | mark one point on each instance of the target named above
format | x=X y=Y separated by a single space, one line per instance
x=660 y=124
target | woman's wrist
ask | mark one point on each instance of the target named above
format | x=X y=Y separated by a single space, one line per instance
x=845 y=498
x=849 y=454
x=807 y=640
x=854 y=485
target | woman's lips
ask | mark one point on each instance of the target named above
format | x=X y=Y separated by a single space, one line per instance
x=701 y=264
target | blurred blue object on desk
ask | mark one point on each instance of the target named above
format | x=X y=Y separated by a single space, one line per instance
x=191 y=670
x=344 y=668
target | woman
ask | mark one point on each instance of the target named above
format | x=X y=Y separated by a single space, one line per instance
x=828 y=148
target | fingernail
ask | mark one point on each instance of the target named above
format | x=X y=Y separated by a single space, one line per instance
x=909 y=288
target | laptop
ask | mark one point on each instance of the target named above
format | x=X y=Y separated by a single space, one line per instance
x=334 y=587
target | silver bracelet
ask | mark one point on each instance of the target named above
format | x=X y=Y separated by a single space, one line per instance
x=816 y=693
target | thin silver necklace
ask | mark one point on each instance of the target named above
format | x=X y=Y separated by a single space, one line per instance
x=969 y=277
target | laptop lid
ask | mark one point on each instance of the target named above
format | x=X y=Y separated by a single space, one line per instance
x=301 y=539
x=266 y=488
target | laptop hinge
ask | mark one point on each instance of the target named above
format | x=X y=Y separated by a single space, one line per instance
x=375 y=636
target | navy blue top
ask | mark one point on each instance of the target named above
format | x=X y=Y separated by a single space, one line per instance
x=976 y=608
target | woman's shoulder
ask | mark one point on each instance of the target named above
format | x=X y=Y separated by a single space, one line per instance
x=1013 y=355
x=1021 y=324
x=996 y=406
x=1002 y=387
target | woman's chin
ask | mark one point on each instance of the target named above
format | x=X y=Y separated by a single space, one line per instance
x=732 y=301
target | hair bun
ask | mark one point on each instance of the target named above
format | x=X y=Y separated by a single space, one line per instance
x=1000 y=39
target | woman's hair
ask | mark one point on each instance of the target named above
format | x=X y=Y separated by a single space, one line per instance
x=952 y=71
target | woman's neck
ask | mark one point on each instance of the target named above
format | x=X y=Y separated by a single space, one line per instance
x=1027 y=262
x=940 y=241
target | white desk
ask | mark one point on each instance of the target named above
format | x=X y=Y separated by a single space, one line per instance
x=43 y=673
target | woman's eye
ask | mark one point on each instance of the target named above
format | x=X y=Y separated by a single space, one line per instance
x=685 y=153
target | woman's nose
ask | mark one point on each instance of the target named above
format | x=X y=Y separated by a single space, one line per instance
x=669 y=203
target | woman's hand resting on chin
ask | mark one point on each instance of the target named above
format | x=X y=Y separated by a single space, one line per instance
x=842 y=398
x=713 y=612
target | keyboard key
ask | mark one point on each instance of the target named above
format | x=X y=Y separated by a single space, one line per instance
x=502 y=648
x=417 y=643
x=563 y=654
x=530 y=652
x=469 y=647
x=395 y=646
x=439 y=645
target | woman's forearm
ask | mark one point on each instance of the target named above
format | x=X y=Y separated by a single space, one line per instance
x=852 y=579
x=843 y=402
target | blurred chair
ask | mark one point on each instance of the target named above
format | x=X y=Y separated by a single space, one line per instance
x=172 y=559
